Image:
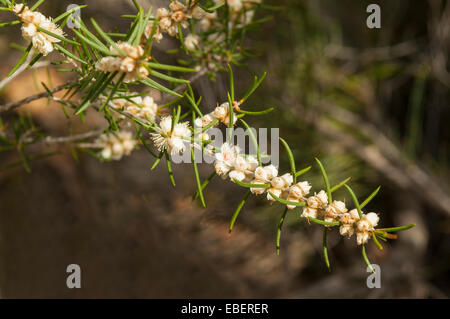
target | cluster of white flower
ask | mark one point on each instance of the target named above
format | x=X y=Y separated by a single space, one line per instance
x=129 y=64
x=31 y=21
x=174 y=141
x=221 y=113
x=116 y=144
x=230 y=163
x=143 y=107
x=351 y=224
x=168 y=20
x=280 y=186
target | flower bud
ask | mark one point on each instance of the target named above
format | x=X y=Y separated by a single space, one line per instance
x=310 y=212
x=299 y=190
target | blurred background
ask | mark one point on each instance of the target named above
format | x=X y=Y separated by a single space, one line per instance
x=372 y=104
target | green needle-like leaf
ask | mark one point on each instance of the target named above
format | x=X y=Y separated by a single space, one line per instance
x=157 y=161
x=377 y=243
x=286 y=202
x=366 y=259
x=204 y=184
x=56 y=36
x=167 y=77
x=68 y=54
x=256 y=113
x=255 y=85
x=279 y=228
x=324 y=223
x=36 y=5
x=153 y=84
x=169 y=67
x=291 y=159
x=193 y=104
x=395 y=229
x=101 y=48
x=302 y=171
x=169 y=168
x=238 y=210
x=231 y=111
x=324 y=248
x=250 y=185
x=197 y=179
x=368 y=199
x=254 y=140
x=11 y=23
x=336 y=187
x=230 y=74
x=326 y=181
x=67 y=13
x=107 y=38
x=21 y=60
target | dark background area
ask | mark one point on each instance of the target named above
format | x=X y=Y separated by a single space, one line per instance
x=370 y=103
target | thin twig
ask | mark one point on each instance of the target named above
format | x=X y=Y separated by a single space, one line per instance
x=9 y=106
x=72 y=138
x=22 y=68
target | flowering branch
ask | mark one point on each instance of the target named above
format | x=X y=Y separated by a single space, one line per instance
x=109 y=65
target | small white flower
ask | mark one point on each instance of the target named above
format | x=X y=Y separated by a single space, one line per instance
x=280 y=184
x=373 y=219
x=162 y=13
x=172 y=141
x=130 y=65
x=222 y=113
x=350 y=217
x=362 y=237
x=348 y=221
x=116 y=145
x=263 y=175
x=299 y=190
x=334 y=211
x=41 y=43
x=177 y=6
x=29 y=30
x=257 y=190
x=297 y=193
x=367 y=223
x=243 y=168
x=192 y=42
x=157 y=36
x=203 y=121
x=310 y=212
x=266 y=173
x=287 y=179
x=31 y=21
x=276 y=191
x=225 y=159
x=179 y=17
x=141 y=107
x=149 y=108
x=198 y=13
x=347 y=230
x=365 y=226
x=318 y=201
